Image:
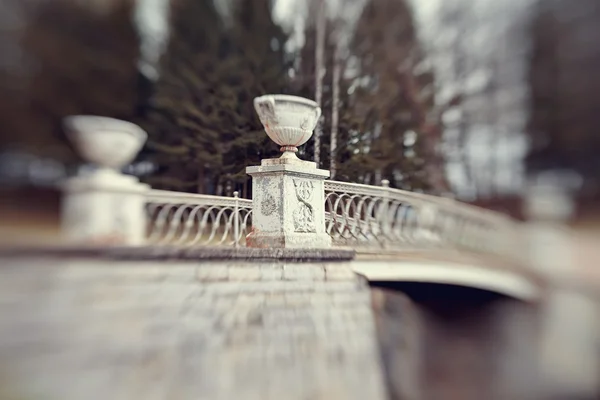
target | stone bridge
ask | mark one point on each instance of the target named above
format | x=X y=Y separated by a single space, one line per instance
x=296 y=293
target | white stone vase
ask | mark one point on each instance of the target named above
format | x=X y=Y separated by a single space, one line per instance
x=288 y=120
x=106 y=142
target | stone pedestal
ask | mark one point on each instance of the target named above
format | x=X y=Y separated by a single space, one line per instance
x=289 y=206
x=104 y=207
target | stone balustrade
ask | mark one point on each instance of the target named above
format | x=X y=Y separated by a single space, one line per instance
x=293 y=205
x=183 y=219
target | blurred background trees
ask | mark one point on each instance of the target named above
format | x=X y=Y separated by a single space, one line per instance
x=197 y=107
x=203 y=131
x=394 y=99
x=444 y=98
x=565 y=91
x=65 y=57
x=201 y=122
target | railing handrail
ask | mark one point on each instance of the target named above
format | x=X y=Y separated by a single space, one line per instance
x=355 y=209
x=156 y=195
x=188 y=219
x=167 y=196
x=399 y=194
x=364 y=189
x=195 y=219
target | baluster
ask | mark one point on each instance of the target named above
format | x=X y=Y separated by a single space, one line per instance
x=236 y=224
x=384 y=218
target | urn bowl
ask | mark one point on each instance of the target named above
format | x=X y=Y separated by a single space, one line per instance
x=106 y=142
x=288 y=120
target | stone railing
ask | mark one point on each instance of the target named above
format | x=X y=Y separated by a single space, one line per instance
x=361 y=216
x=185 y=219
x=293 y=204
x=382 y=217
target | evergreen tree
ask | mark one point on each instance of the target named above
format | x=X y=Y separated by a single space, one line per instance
x=76 y=59
x=182 y=117
x=396 y=139
x=565 y=91
x=204 y=130
x=386 y=125
x=260 y=68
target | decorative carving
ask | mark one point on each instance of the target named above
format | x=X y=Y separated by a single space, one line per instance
x=266 y=111
x=304 y=190
x=304 y=220
x=304 y=125
x=268 y=205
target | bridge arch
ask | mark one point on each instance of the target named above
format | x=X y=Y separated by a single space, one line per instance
x=507 y=282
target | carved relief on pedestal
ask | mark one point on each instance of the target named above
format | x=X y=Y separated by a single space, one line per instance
x=304 y=220
x=268 y=205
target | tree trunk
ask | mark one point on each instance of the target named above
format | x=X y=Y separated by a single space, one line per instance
x=201 y=181
x=335 y=109
x=319 y=72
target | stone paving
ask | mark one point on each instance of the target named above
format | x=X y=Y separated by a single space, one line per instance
x=77 y=328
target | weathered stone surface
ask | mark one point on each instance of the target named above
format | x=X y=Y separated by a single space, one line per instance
x=337 y=271
x=73 y=328
x=103 y=207
x=183 y=253
x=295 y=272
x=289 y=205
x=271 y=271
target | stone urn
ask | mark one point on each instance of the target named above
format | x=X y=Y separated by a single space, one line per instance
x=288 y=120
x=104 y=206
x=105 y=142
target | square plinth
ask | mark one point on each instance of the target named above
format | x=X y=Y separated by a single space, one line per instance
x=288 y=205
